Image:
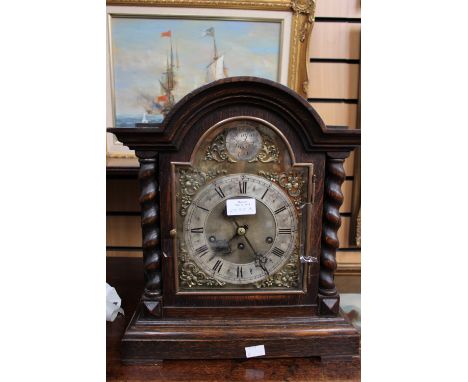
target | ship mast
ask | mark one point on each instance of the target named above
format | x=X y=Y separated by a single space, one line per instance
x=215 y=48
x=211 y=32
x=168 y=82
x=170 y=71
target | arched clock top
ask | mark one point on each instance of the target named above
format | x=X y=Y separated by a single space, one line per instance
x=256 y=97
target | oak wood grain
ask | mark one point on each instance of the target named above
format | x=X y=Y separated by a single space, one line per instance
x=255 y=369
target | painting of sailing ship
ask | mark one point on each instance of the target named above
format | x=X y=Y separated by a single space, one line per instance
x=157 y=61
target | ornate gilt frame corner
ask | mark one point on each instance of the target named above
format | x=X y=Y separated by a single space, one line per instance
x=303 y=16
x=303 y=22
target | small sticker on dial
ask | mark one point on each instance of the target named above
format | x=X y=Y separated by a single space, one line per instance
x=236 y=207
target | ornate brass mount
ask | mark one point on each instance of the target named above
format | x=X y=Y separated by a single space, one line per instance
x=286 y=277
x=190 y=181
x=190 y=275
x=292 y=182
x=217 y=151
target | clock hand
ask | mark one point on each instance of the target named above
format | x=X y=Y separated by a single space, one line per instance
x=222 y=245
x=260 y=259
x=227 y=246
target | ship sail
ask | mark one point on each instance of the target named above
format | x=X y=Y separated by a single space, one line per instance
x=215 y=69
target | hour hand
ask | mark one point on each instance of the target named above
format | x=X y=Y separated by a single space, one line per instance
x=260 y=260
x=221 y=246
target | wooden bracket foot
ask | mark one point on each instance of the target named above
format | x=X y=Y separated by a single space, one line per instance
x=153 y=307
x=329 y=305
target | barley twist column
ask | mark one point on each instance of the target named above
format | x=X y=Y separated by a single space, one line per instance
x=333 y=198
x=149 y=187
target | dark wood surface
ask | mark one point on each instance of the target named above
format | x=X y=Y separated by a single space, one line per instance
x=122 y=276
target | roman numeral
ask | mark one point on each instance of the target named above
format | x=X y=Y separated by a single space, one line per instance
x=243 y=187
x=220 y=192
x=202 y=208
x=239 y=272
x=217 y=266
x=285 y=231
x=202 y=251
x=280 y=210
x=264 y=193
x=197 y=230
x=278 y=252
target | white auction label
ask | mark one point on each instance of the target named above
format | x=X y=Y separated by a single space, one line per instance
x=240 y=207
x=254 y=351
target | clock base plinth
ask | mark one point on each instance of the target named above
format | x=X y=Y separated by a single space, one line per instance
x=147 y=341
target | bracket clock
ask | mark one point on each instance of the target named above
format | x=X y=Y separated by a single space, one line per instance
x=240 y=197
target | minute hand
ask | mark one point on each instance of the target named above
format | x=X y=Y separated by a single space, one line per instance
x=260 y=260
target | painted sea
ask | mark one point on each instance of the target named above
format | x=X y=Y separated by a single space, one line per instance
x=129 y=120
x=145 y=49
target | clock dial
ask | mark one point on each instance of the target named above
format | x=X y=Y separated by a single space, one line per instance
x=243 y=142
x=240 y=248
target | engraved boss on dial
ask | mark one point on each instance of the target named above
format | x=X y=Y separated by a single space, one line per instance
x=243 y=142
x=240 y=228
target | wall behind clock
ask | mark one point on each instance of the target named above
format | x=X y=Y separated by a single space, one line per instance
x=334 y=67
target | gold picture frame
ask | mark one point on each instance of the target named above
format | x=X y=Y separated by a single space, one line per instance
x=300 y=15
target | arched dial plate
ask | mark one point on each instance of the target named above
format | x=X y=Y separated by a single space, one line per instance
x=240 y=249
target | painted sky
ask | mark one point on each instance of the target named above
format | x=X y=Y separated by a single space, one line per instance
x=139 y=54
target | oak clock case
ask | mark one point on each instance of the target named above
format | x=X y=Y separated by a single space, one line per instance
x=243 y=164
x=240 y=190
